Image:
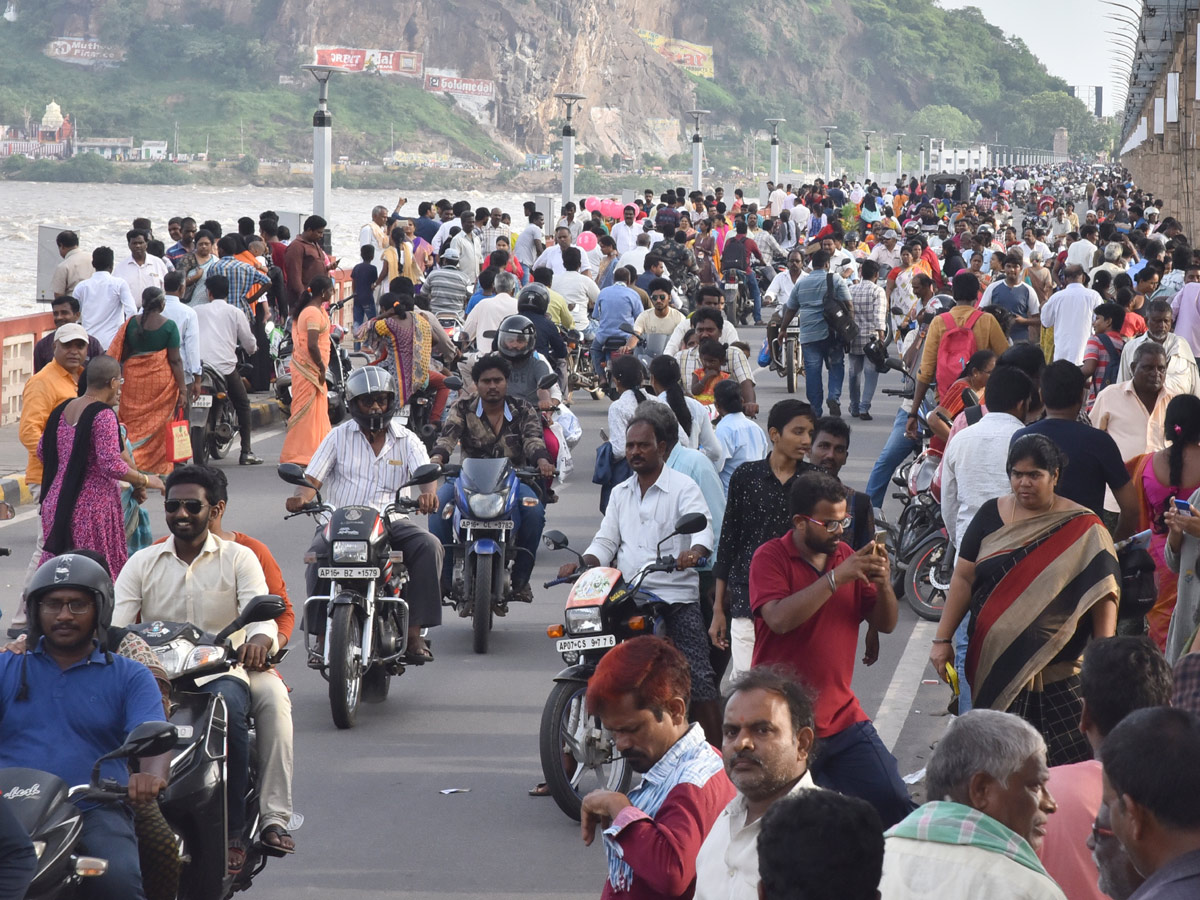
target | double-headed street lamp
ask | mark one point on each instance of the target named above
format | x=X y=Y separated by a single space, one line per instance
x=322 y=148
x=568 y=147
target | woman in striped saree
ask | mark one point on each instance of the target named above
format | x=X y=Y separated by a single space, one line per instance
x=1040 y=577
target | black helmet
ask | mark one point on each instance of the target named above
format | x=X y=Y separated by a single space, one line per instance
x=370 y=380
x=72 y=570
x=535 y=297
x=876 y=353
x=516 y=338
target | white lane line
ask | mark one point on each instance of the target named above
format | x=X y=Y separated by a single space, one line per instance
x=20 y=517
x=269 y=433
x=906 y=680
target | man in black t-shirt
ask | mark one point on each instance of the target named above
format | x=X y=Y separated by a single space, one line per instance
x=1093 y=460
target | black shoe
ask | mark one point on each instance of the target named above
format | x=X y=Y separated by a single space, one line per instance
x=866 y=417
x=835 y=409
x=522 y=593
x=249 y=459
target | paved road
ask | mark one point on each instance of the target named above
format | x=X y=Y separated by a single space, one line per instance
x=376 y=825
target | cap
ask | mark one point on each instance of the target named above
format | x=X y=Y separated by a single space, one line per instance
x=891 y=234
x=72 y=331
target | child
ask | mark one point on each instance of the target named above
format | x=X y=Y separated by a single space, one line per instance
x=363 y=277
x=704 y=379
x=689 y=339
x=1134 y=324
x=1104 y=346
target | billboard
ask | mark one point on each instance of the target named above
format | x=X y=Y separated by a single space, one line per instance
x=84 y=51
x=452 y=84
x=696 y=58
x=357 y=59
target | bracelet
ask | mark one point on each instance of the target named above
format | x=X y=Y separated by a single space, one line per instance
x=913 y=415
x=832 y=582
x=943 y=640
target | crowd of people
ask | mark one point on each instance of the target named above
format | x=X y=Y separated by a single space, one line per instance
x=1051 y=362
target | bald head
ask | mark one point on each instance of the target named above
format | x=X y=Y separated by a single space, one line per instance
x=102 y=369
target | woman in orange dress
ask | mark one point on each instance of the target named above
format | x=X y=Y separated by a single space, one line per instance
x=309 y=421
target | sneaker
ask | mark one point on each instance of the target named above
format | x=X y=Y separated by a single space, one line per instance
x=835 y=409
x=249 y=459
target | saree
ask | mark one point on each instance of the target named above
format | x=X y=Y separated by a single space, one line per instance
x=309 y=420
x=1035 y=581
x=149 y=396
x=409 y=343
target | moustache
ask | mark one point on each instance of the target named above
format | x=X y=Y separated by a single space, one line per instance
x=746 y=757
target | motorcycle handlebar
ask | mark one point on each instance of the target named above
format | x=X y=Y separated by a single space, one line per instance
x=898 y=392
x=557 y=581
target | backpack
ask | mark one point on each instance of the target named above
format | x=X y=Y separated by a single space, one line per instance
x=955 y=348
x=1113 y=367
x=838 y=314
x=734 y=255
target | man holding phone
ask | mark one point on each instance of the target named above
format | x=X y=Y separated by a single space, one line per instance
x=1183 y=520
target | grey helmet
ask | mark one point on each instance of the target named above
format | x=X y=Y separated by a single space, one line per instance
x=516 y=338
x=71 y=570
x=450 y=257
x=370 y=380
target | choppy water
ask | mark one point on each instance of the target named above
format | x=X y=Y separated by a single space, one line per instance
x=102 y=213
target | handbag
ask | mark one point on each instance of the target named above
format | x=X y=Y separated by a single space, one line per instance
x=1138 y=591
x=179 y=441
x=838 y=314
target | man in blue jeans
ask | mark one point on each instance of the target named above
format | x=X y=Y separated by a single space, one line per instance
x=491 y=425
x=820 y=348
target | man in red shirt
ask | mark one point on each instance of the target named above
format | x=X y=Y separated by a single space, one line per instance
x=304 y=259
x=652 y=836
x=809 y=594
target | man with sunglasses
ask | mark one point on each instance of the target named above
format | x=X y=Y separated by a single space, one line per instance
x=195 y=576
x=661 y=319
x=809 y=595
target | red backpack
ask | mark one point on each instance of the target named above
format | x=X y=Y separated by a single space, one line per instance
x=955 y=348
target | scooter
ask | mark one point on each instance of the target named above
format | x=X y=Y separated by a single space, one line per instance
x=603 y=609
x=45 y=805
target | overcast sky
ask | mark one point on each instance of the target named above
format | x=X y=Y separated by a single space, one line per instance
x=1062 y=35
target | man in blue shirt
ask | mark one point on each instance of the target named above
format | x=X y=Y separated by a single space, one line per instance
x=68 y=701
x=615 y=306
x=819 y=347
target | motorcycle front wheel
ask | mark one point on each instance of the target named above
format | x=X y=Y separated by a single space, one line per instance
x=570 y=766
x=345 y=666
x=218 y=448
x=199 y=438
x=789 y=364
x=481 y=603
x=926 y=599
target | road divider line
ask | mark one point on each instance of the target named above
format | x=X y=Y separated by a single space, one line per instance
x=906 y=681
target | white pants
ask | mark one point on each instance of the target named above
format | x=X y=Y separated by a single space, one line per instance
x=741 y=645
x=271 y=708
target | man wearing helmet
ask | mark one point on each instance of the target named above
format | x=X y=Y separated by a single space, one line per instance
x=516 y=341
x=363 y=462
x=67 y=702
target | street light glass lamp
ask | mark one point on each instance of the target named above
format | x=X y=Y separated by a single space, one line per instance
x=697 y=115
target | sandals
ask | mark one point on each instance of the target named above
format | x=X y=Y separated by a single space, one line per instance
x=237 y=856
x=281 y=834
x=541 y=789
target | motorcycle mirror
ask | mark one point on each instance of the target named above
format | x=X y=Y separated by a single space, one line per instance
x=453 y=382
x=148 y=739
x=546 y=382
x=692 y=523
x=897 y=311
x=627 y=328
x=293 y=474
x=262 y=608
x=555 y=540
x=6 y=510
x=490 y=334
x=426 y=474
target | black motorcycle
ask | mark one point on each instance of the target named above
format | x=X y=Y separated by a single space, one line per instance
x=212 y=420
x=336 y=371
x=366 y=616
x=194 y=802
x=415 y=415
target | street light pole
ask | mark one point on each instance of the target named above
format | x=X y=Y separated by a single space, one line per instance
x=829 y=130
x=322 y=148
x=899 y=154
x=697 y=147
x=568 y=147
x=775 y=123
x=924 y=144
x=867 y=158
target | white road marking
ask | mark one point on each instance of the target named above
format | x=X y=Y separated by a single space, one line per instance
x=906 y=680
x=20 y=517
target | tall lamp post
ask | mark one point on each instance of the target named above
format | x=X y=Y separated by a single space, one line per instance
x=900 y=154
x=697 y=147
x=568 y=147
x=924 y=143
x=829 y=130
x=775 y=123
x=867 y=157
x=322 y=148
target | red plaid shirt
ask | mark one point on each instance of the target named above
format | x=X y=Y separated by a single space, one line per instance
x=1096 y=350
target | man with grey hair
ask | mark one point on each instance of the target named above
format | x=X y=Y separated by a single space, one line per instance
x=1114 y=260
x=977 y=837
x=1070 y=312
x=495 y=307
x=374 y=232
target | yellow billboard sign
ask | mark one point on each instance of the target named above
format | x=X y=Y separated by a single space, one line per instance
x=696 y=58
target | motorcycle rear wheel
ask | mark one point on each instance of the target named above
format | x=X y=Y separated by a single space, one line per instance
x=789 y=364
x=219 y=449
x=199 y=438
x=556 y=741
x=926 y=600
x=481 y=603
x=345 y=668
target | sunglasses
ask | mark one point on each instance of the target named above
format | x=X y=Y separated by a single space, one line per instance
x=192 y=506
x=833 y=526
x=660 y=296
x=75 y=607
x=1099 y=831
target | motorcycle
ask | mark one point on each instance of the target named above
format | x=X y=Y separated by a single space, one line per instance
x=485 y=492
x=580 y=374
x=415 y=414
x=336 y=371
x=45 y=805
x=603 y=609
x=737 y=295
x=194 y=802
x=366 y=616
x=212 y=420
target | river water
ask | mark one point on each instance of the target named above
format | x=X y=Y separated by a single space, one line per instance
x=102 y=213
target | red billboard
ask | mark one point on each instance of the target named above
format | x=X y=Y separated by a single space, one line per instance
x=357 y=59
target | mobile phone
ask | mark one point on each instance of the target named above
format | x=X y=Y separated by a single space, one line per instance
x=1183 y=506
x=881 y=542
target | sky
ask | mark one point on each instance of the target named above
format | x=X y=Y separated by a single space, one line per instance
x=1043 y=27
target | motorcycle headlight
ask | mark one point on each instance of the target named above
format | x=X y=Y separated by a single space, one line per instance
x=486 y=506
x=39 y=847
x=349 y=551
x=584 y=620
x=203 y=656
x=173 y=656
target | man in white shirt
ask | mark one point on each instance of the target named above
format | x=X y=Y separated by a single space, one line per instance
x=1033 y=242
x=577 y=289
x=643 y=510
x=195 y=576
x=364 y=461
x=140 y=270
x=708 y=297
x=660 y=320
x=769 y=730
x=775 y=200
x=489 y=312
x=188 y=323
x=75 y=267
x=1181 y=363
x=887 y=252
x=626 y=232
x=1069 y=313
x=783 y=283
x=104 y=300
x=466 y=242
x=637 y=256
x=374 y=233
x=531 y=241
x=553 y=255
x=1083 y=252
x=223 y=328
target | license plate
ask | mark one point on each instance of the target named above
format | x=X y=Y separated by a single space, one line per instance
x=595 y=642
x=204 y=400
x=498 y=524
x=338 y=573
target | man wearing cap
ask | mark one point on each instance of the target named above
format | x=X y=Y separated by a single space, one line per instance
x=887 y=252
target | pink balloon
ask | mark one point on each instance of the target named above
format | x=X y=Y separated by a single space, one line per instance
x=586 y=241
x=591 y=204
x=611 y=208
